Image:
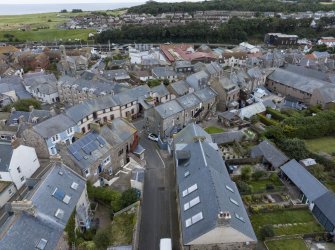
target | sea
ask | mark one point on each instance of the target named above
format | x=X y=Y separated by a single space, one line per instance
x=21 y=9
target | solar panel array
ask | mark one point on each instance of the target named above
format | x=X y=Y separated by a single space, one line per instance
x=87 y=144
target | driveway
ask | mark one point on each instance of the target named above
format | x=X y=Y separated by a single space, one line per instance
x=159 y=213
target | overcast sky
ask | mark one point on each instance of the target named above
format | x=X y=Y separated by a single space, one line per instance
x=83 y=1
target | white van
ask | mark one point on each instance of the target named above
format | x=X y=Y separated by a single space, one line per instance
x=165 y=244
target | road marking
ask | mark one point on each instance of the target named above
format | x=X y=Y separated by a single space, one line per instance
x=160 y=158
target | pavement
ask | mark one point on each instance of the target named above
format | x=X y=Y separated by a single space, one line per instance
x=159 y=217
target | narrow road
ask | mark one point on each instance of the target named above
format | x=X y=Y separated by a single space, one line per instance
x=159 y=214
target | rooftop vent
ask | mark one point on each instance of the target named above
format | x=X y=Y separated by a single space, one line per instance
x=74 y=185
x=60 y=172
x=224 y=218
x=59 y=213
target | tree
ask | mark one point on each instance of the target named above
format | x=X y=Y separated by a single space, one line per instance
x=318 y=171
x=101 y=239
x=129 y=197
x=258 y=174
x=23 y=105
x=246 y=173
x=294 y=148
x=63 y=11
x=244 y=187
x=166 y=82
x=266 y=231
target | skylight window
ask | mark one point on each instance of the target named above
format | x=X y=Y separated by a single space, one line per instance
x=67 y=199
x=239 y=217
x=191 y=203
x=187 y=173
x=233 y=201
x=195 y=218
x=74 y=185
x=230 y=189
x=190 y=190
x=58 y=194
x=59 y=213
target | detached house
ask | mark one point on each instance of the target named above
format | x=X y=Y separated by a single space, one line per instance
x=210 y=208
x=17 y=163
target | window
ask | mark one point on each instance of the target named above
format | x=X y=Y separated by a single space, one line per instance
x=22 y=179
x=112 y=117
x=10 y=191
x=230 y=189
x=233 y=201
x=54 y=138
x=18 y=169
x=190 y=190
x=191 y=203
x=87 y=172
x=69 y=131
x=107 y=160
x=196 y=218
x=239 y=217
x=187 y=173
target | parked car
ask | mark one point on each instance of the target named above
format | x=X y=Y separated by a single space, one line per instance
x=153 y=137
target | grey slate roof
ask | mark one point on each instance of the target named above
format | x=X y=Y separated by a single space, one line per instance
x=207 y=170
x=187 y=134
x=163 y=72
x=14 y=117
x=27 y=231
x=307 y=72
x=6 y=152
x=54 y=125
x=188 y=101
x=326 y=203
x=88 y=149
x=168 y=109
x=295 y=80
x=304 y=180
x=117 y=132
x=227 y=137
x=117 y=74
x=14 y=83
x=205 y=94
x=198 y=80
x=137 y=174
x=180 y=87
x=161 y=90
x=132 y=94
x=270 y=153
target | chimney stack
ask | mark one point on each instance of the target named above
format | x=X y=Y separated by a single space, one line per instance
x=25 y=205
x=224 y=218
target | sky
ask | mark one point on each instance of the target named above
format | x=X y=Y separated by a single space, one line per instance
x=82 y=1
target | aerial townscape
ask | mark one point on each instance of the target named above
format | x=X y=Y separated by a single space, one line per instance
x=167 y=125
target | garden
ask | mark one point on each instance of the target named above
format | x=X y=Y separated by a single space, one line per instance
x=286 y=244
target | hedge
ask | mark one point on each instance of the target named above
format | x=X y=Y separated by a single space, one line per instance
x=266 y=120
x=276 y=114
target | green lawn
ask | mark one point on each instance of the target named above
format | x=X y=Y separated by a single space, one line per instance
x=213 y=130
x=287 y=217
x=260 y=185
x=324 y=144
x=288 y=244
x=121 y=230
x=48 y=34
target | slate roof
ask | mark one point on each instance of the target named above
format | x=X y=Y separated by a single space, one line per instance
x=14 y=83
x=227 y=137
x=251 y=110
x=34 y=79
x=304 y=180
x=54 y=125
x=168 y=109
x=187 y=134
x=180 y=87
x=215 y=192
x=117 y=74
x=163 y=72
x=326 y=204
x=137 y=174
x=205 y=94
x=296 y=80
x=26 y=231
x=88 y=149
x=270 y=153
x=6 y=152
x=198 y=80
x=161 y=90
x=188 y=101
x=117 y=132
x=131 y=94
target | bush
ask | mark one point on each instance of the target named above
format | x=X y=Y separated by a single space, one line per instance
x=129 y=197
x=70 y=229
x=266 y=231
x=23 y=105
x=246 y=173
x=101 y=239
x=244 y=187
x=276 y=114
x=266 y=120
x=270 y=186
x=258 y=174
x=153 y=83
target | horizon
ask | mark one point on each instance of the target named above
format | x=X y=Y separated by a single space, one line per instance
x=22 y=2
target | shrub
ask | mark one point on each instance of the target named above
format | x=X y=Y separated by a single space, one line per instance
x=23 y=105
x=266 y=231
x=266 y=120
x=246 y=173
x=258 y=174
x=129 y=197
x=270 y=186
x=101 y=239
x=276 y=114
x=244 y=187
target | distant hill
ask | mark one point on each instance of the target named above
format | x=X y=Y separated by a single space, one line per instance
x=152 y=7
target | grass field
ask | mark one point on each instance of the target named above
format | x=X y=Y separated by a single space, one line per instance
x=213 y=130
x=288 y=244
x=260 y=185
x=324 y=144
x=287 y=217
x=48 y=35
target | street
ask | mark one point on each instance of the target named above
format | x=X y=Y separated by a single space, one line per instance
x=159 y=213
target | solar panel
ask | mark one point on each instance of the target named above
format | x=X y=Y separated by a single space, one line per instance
x=59 y=194
x=100 y=140
x=77 y=156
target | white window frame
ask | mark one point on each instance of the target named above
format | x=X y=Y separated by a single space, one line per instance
x=107 y=160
